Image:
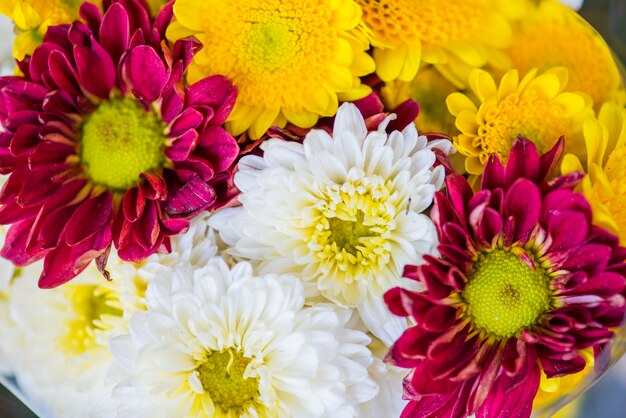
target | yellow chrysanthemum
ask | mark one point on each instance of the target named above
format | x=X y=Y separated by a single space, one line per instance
x=291 y=60
x=552 y=35
x=604 y=185
x=536 y=107
x=457 y=34
x=430 y=89
x=552 y=391
x=32 y=18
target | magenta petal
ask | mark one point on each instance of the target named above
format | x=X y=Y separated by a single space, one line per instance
x=218 y=147
x=63 y=73
x=91 y=216
x=370 y=105
x=187 y=120
x=489 y=226
x=523 y=202
x=459 y=193
x=555 y=368
x=551 y=158
x=115 y=31
x=182 y=146
x=567 y=229
x=190 y=198
x=493 y=175
x=147 y=73
x=524 y=161
x=216 y=92
x=603 y=284
x=406 y=113
x=91 y=15
x=512 y=396
x=174 y=226
x=15 y=245
x=96 y=70
x=591 y=257
x=154 y=187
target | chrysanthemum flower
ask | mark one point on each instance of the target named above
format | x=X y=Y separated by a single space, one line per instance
x=59 y=351
x=536 y=107
x=343 y=212
x=33 y=17
x=524 y=283
x=604 y=186
x=105 y=145
x=453 y=33
x=290 y=59
x=430 y=89
x=552 y=35
x=216 y=342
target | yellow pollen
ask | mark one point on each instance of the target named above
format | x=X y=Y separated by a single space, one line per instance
x=529 y=116
x=222 y=377
x=397 y=22
x=89 y=304
x=504 y=295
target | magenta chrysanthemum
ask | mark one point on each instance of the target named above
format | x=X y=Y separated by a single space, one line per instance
x=523 y=284
x=104 y=144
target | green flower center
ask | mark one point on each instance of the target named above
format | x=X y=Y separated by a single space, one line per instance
x=120 y=140
x=504 y=295
x=222 y=378
x=347 y=234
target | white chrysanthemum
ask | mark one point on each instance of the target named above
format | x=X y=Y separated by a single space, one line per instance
x=343 y=213
x=63 y=356
x=388 y=401
x=217 y=343
x=58 y=341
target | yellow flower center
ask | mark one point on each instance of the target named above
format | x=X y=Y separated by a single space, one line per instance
x=572 y=44
x=504 y=295
x=222 y=377
x=352 y=226
x=272 y=50
x=398 y=22
x=90 y=305
x=119 y=141
x=615 y=171
x=529 y=116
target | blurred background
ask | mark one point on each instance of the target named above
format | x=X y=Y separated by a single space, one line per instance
x=607 y=398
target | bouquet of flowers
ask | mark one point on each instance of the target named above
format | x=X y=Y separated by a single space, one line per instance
x=309 y=208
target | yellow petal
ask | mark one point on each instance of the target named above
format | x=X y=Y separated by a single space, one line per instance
x=596 y=140
x=191 y=13
x=458 y=102
x=546 y=86
x=177 y=31
x=25 y=17
x=389 y=62
x=571 y=164
x=483 y=85
x=508 y=84
x=570 y=103
x=562 y=73
x=411 y=64
x=466 y=122
x=263 y=122
x=300 y=117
